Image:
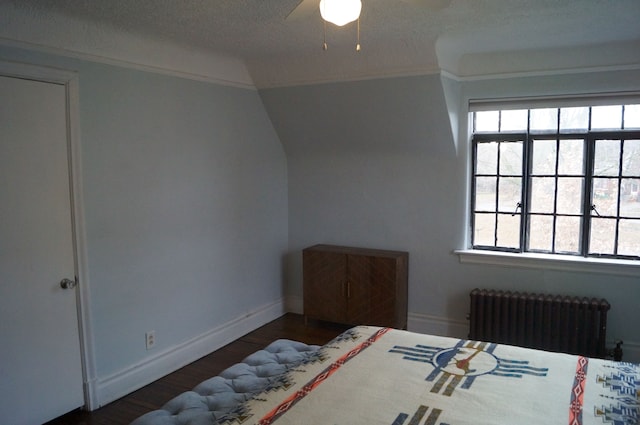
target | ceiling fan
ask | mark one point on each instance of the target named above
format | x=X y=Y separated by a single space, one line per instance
x=306 y=8
x=341 y=12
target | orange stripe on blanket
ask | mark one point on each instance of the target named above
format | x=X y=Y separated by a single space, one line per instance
x=577 y=392
x=320 y=378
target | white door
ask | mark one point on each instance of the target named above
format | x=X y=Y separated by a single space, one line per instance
x=40 y=360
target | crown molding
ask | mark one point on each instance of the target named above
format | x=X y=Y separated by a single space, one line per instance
x=124 y=63
x=545 y=73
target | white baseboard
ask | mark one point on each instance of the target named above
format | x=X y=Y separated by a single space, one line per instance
x=111 y=388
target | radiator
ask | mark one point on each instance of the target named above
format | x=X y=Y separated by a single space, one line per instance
x=548 y=322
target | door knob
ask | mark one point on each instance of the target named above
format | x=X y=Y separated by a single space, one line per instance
x=68 y=284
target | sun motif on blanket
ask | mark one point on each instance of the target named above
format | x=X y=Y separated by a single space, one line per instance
x=463 y=363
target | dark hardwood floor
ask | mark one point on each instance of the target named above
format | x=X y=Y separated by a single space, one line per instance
x=154 y=395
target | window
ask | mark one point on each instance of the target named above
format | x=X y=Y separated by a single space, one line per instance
x=557 y=180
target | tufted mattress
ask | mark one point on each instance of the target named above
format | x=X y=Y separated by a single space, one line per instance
x=380 y=376
x=220 y=399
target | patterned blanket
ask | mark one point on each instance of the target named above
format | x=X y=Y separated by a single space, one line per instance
x=371 y=375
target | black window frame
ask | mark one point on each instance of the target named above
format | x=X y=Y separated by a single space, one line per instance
x=588 y=213
x=501 y=138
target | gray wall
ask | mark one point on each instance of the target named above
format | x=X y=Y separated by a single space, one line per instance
x=185 y=198
x=185 y=192
x=366 y=161
x=381 y=164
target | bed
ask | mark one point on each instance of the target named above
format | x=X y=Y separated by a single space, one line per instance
x=373 y=375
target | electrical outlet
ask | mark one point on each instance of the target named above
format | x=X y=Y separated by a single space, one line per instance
x=150 y=339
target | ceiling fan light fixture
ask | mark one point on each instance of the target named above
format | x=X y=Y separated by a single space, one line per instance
x=340 y=12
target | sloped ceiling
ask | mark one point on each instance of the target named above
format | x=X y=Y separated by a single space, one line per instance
x=399 y=37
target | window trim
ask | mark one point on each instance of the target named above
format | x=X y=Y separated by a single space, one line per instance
x=555 y=262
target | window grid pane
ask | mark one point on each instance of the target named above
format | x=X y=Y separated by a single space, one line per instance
x=605 y=197
x=629 y=238
x=631 y=116
x=629 y=198
x=569 y=196
x=487 y=121
x=543 y=195
x=606 y=117
x=631 y=158
x=508 y=231
x=542 y=239
x=544 y=157
x=603 y=236
x=486 y=193
x=607 y=158
x=574 y=119
x=484 y=230
x=543 y=119
x=568 y=234
x=497 y=194
x=487 y=158
x=516 y=120
x=571 y=157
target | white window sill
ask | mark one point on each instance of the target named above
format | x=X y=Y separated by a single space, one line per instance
x=551 y=262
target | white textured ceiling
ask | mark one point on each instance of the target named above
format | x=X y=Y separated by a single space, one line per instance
x=463 y=37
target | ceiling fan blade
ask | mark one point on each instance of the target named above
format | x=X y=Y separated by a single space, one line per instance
x=304 y=9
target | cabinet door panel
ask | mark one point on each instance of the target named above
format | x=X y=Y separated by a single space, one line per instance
x=359 y=268
x=372 y=282
x=383 y=291
x=325 y=285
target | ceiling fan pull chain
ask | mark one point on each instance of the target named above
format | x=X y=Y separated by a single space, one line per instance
x=324 y=44
x=358 y=37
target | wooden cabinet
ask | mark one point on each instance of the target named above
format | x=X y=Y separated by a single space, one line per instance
x=358 y=286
